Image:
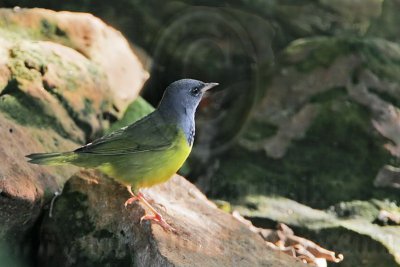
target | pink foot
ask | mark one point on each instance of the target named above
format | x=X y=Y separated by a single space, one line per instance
x=133 y=199
x=130 y=201
x=158 y=219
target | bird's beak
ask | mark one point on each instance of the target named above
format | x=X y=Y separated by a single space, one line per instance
x=208 y=86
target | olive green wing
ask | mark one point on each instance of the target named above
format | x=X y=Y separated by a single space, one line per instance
x=148 y=134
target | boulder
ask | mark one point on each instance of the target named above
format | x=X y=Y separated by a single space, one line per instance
x=385 y=25
x=60 y=86
x=90 y=226
x=231 y=43
x=325 y=127
x=90 y=37
x=325 y=132
x=351 y=228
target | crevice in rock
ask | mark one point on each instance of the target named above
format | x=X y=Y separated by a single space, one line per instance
x=385 y=96
x=34 y=237
x=108 y=116
x=84 y=126
x=11 y=86
x=37 y=116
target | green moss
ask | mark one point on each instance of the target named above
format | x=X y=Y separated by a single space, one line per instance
x=258 y=130
x=46 y=30
x=71 y=212
x=74 y=114
x=88 y=109
x=135 y=111
x=50 y=29
x=377 y=55
x=75 y=226
x=356 y=209
x=337 y=160
x=26 y=65
x=328 y=95
x=347 y=228
x=29 y=63
x=320 y=51
x=386 y=96
x=314 y=52
x=26 y=111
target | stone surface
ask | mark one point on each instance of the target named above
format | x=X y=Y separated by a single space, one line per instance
x=325 y=127
x=324 y=133
x=291 y=19
x=233 y=43
x=388 y=176
x=58 y=89
x=89 y=36
x=90 y=226
x=385 y=25
x=349 y=228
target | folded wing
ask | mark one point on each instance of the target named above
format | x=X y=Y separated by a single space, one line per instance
x=148 y=134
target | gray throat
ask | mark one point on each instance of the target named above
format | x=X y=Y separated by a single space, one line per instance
x=181 y=116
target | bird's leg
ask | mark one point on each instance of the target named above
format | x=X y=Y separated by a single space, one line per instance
x=156 y=217
x=132 y=199
x=152 y=201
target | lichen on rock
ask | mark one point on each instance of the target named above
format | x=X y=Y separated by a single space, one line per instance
x=56 y=91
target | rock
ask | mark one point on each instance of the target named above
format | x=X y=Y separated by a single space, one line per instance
x=291 y=20
x=284 y=239
x=60 y=85
x=323 y=132
x=349 y=228
x=385 y=25
x=89 y=36
x=90 y=226
x=388 y=176
x=232 y=43
x=327 y=124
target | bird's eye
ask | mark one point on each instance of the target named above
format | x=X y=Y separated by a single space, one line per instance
x=195 y=91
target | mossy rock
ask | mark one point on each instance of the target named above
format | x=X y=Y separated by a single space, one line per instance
x=350 y=228
x=90 y=226
x=59 y=88
x=385 y=26
x=231 y=43
x=319 y=141
x=326 y=126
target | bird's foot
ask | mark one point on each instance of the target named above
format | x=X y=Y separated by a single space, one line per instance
x=130 y=201
x=153 y=202
x=158 y=219
x=133 y=199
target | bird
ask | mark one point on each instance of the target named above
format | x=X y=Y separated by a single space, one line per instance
x=147 y=152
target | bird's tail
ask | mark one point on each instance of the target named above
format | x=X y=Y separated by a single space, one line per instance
x=51 y=158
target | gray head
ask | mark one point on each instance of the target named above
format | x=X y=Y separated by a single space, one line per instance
x=180 y=101
x=183 y=96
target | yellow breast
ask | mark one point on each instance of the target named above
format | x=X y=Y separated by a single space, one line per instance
x=151 y=167
x=167 y=163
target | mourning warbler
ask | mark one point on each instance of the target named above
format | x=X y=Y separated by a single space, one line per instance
x=146 y=152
